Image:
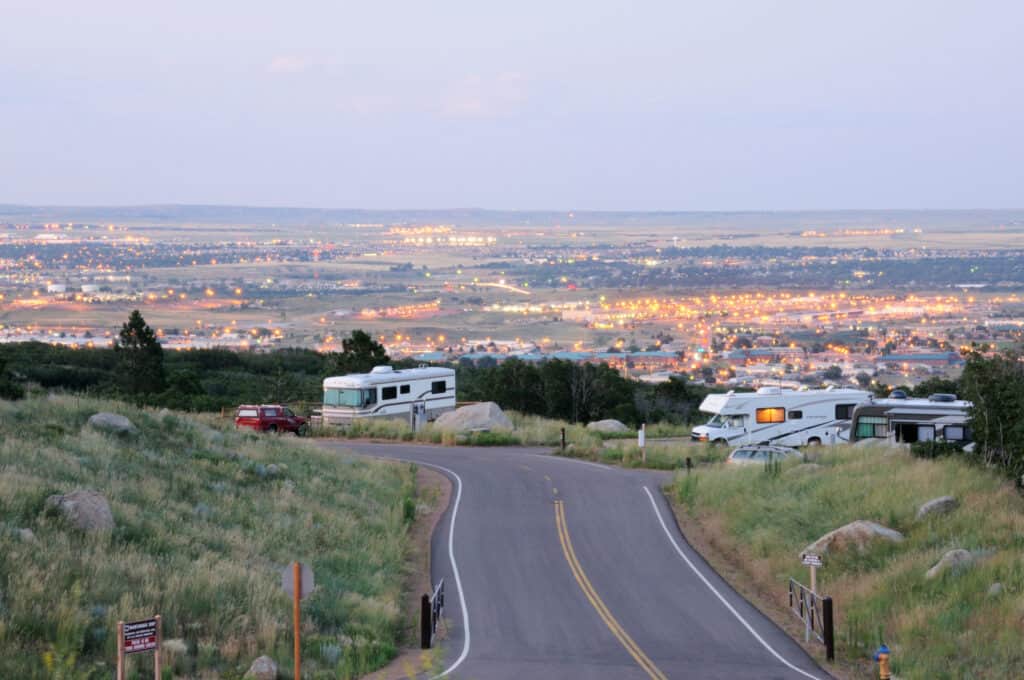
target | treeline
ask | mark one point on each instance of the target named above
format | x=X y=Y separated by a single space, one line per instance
x=577 y=392
x=138 y=370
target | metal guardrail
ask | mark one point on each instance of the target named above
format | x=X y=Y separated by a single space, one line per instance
x=431 y=611
x=816 y=613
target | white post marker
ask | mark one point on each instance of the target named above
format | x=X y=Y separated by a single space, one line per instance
x=813 y=561
x=641 y=440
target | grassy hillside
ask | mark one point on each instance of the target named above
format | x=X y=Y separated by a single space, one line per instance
x=949 y=627
x=204 y=525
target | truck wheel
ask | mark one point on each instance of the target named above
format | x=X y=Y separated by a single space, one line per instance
x=720 y=442
x=302 y=430
x=272 y=429
x=814 y=441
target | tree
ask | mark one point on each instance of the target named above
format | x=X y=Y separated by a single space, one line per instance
x=832 y=373
x=141 y=358
x=359 y=353
x=9 y=389
x=863 y=379
x=995 y=387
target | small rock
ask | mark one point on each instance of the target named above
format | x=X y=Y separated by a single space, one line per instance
x=219 y=486
x=174 y=647
x=273 y=470
x=112 y=423
x=857 y=534
x=802 y=469
x=938 y=506
x=83 y=509
x=607 y=425
x=203 y=511
x=952 y=560
x=995 y=590
x=27 y=535
x=263 y=668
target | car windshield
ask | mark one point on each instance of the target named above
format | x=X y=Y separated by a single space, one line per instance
x=741 y=454
x=344 y=397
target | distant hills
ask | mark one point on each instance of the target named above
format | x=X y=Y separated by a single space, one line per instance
x=283 y=216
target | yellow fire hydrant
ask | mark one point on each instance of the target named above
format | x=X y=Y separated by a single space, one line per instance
x=882 y=657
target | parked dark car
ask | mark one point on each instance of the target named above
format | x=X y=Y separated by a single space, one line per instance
x=270 y=418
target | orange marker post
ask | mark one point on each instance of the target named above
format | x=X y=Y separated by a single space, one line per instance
x=297 y=575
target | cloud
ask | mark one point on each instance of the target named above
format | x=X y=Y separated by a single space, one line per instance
x=289 y=63
x=478 y=96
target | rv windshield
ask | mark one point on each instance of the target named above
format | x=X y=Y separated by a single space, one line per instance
x=719 y=420
x=346 y=397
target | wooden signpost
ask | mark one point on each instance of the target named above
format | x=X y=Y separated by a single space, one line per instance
x=297 y=581
x=813 y=561
x=135 y=637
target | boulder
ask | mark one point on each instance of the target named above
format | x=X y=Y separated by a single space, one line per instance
x=995 y=590
x=953 y=560
x=113 y=423
x=83 y=509
x=474 y=418
x=263 y=668
x=938 y=506
x=858 y=534
x=607 y=425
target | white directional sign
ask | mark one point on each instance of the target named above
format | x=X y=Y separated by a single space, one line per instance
x=811 y=560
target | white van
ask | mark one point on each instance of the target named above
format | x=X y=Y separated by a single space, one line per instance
x=386 y=392
x=783 y=417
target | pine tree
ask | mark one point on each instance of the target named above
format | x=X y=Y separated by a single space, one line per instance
x=141 y=357
x=359 y=353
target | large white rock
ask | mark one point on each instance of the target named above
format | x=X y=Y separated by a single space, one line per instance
x=607 y=425
x=263 y=668
x=83 y=509
x=858 y=534
x=953 y=560
x=937 y=506
x=113 y=423
x=474 y=418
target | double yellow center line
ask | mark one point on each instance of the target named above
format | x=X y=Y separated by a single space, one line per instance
x=588 y=589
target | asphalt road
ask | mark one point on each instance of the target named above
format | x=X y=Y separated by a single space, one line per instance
x=557 y=568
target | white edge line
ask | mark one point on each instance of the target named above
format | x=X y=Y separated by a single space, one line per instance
x=455 y=569
x=728 y=606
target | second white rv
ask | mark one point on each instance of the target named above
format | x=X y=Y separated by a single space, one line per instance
x=773 y=415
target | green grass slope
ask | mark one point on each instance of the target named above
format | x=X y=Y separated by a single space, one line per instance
x=204 y=526
x=945 y=628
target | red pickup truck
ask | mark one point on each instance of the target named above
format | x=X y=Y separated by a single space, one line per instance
x=270 y=418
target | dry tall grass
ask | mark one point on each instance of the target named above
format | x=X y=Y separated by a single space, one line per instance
x=949 y=627
x=204 y=526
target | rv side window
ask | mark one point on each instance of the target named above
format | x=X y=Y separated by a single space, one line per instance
x=438 y=387
x=369 y=397
x=796 y=415
x=404 y=389
x=925 y=433
x=844 y=411
x=953 y=433
x=388 y=393
x=872 y=426
x=775 y=414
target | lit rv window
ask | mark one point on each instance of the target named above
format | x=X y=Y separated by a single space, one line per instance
x=438 y=387
x=388 y=393
x=774 y=414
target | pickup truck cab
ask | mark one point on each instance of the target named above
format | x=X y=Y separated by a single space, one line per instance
x=270 y=418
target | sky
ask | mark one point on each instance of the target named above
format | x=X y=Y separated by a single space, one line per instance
x=574 y=104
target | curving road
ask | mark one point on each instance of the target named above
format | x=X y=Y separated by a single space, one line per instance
x=557 y=568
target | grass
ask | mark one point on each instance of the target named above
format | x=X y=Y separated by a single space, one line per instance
x=660 y=455
x=204 y=526
x=948 y=627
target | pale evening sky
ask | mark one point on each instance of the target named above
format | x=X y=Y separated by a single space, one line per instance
x=534 y=105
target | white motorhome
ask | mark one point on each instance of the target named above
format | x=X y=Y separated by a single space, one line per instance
x=940 y=417
x=385 y=392
x=773 y=415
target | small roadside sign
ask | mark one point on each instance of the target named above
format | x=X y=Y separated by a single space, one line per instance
x=306 y=578
x=140 y=636
x=811 y=560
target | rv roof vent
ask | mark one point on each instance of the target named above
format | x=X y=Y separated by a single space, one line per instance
x=769 y=390
x=898 y=394
x=381 y=369
x=945 y=398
